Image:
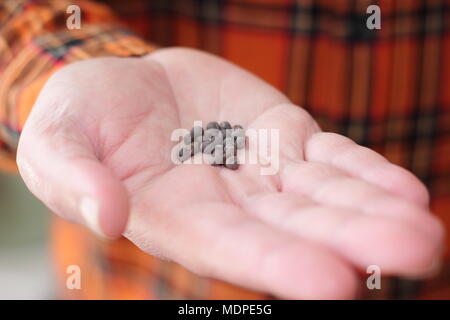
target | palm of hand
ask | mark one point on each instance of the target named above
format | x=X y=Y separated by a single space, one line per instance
x=333 y=208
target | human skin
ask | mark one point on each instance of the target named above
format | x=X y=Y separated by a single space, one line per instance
x=96 y=150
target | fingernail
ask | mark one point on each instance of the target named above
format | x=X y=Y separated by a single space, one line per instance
x=90 y=209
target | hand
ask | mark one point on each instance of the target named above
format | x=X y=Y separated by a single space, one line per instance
x=97 y=146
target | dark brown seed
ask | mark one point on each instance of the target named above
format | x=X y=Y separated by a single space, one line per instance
x=232 y=163
x=230 y=150
x=211 y=138
x=213 y=125
x=227 y=133
x=196 y=131
x=211 y=147
x=193 y=135
x=217 y=157
x=240 y=142
x=232 y=166
x=199 y=139
x=184 y=153
x=229 y=141
x=205 y=145
x=188 y=139
x=238 y=132
x=212 y=135
x=218 y=154
x=225 y=125
x=195 y=148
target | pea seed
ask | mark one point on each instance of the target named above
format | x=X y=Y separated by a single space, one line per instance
x=205 y=145
x=188 y=139
x=212 y=135
x=212 y=138
x=232 y=163
x=225 y=125
x=230 y=150
x=209 y=159
x=239 y=132
x=218 y=155
x=213 y=125
x=209 y=149
x=219 y=141
x=228 y=133
x=240 y=142
x=229 y=141
x=184 y=153
x=196 y=132
x=195 y=147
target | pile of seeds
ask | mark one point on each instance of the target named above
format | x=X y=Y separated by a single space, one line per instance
x=221 y=141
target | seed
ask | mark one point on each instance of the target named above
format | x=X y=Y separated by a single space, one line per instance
x=195 y=147
x=211 y=139
x=212 y=135
x=227 y=132
x=229 y=141
x=238 y=132
x=240 y=142
x=184 y=153
x=197 y=131
x=211 y=147
x=188 y=139
x=230 y=150
x=232 y=163
x=218 y=154
x=225 y=125
x=205 y=145
x=219 y=142
x=213 y=125
x=199 y=139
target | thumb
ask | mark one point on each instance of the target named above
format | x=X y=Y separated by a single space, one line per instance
x=61 y=169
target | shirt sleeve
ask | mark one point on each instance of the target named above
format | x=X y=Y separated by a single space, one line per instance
x=35 y=41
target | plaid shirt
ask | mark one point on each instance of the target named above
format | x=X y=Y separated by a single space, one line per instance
x=388 y=89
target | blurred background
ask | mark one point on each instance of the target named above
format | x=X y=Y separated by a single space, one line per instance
x=25 y=268
x=321 y=55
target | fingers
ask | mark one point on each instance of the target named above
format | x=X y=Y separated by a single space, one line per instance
x=396 y=247
x=364 y=163
x=331 y=186
x=62 y=171
x=200 y=229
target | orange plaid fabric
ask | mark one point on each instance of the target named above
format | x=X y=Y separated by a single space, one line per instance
x=388 y=89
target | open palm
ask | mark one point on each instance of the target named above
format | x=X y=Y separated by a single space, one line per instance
x=96 y=149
